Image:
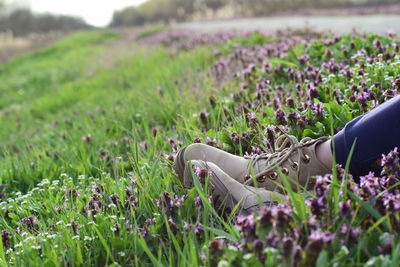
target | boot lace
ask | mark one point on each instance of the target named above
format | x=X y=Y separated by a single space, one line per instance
x=281 y=151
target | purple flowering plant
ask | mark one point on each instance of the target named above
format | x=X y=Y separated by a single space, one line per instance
x=309 y=95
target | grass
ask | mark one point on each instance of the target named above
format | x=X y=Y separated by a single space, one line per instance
x=62 y=102
x=85 y=126
x=65 y=124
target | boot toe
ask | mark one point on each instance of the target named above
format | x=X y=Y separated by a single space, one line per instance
x=179 y=163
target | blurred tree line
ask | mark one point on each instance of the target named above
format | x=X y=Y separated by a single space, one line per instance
x=21 y=21
x=154 y=11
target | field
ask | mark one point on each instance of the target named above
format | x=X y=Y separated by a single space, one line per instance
x=90 y=126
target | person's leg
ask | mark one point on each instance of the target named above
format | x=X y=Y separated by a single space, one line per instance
x=374 y=133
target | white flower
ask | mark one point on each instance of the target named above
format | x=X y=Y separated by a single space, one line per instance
x=29 y=238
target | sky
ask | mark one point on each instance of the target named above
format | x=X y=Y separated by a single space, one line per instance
x=94 y=12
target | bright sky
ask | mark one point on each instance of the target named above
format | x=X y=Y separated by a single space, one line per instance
x=95 y=12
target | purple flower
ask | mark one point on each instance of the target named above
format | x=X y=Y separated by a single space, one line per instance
x=283 y=215
x=246 y=225
x=363 y=98
x=174 y=227
x=280 y=116
x=251 y=116
x=186 y=226
x=5 y=237
x=318 y=240
x=197 y=140
x=312 y=91
x=150 y=221
x=389 y=93
x=273 y=240
x=303 y=59
x=169 y=203
x=204 y=117
x=202 y=173
x=287 y=246
x=246 y=135
x=390 y=162
x=258 y=246
x=197 y=201
x=75 y=227
x=266 y=217
x=235 y=138
x=391 y=33
x=216 y=246
x=114 y=198
x=318 y=206
x=344 y=229
x=344 y=207
x=29 y=222
x=294 y=116
x=354 y=233
x=290 y=102
x=318 y=109
x=212 y=142
x=298 y=252
x=143 y=145
x=199 y=229
x=391 y=202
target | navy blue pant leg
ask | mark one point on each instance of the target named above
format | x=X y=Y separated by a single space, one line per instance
x=375 y=133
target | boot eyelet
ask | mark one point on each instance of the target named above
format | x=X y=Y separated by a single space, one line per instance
x=247 y=177
x=285 y=171
x=295 y=166
x=274 y=176
x=261 y=179
x=306 y=158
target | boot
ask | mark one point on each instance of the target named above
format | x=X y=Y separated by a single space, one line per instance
x=226 y=192
x=296 y=160
x=235 y=166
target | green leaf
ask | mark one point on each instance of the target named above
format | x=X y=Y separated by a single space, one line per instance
x=322 y=259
